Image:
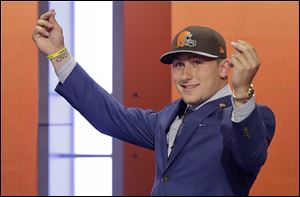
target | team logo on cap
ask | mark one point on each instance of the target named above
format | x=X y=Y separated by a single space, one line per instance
x=221 y=49
x=185 y=39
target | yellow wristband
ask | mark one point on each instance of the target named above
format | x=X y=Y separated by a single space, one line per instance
x=56 y=54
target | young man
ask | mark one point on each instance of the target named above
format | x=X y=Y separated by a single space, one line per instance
x=211 y=142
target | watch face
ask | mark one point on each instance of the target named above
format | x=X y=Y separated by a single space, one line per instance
x=249 y=95
x=250 y=91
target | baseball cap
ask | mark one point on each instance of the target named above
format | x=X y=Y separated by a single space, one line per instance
x=198 y=40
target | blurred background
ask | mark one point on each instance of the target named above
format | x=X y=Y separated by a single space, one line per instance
x=47 y=148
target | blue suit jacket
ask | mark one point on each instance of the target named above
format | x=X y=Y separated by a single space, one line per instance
x=212 y=155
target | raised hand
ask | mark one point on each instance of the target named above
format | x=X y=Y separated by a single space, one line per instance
x=245 y=64
x=47 y=34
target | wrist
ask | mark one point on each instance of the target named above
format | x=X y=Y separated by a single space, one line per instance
x=61 y=58
x=242 y=95
x=56 y=53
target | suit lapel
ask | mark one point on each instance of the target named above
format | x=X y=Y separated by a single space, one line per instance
x=166 y=121
x=192 y=122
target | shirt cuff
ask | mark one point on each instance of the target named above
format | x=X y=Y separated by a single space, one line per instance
x=242 y=112
x=65 y=70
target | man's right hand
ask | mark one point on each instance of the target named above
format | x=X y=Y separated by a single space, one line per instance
x=47 y=34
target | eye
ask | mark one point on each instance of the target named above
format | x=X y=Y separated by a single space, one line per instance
x=178 y=65
x=198 y=62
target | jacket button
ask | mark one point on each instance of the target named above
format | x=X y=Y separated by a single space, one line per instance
x=164 y=179
x=246 y=133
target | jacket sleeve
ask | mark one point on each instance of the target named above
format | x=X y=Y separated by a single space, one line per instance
x=252 y=136
x=105 y=113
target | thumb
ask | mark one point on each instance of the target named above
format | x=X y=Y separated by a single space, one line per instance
x=52 y=18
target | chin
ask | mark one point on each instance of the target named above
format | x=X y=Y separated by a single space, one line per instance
x=192 y=101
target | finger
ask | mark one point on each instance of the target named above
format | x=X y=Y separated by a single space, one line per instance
x=234 y=61
x=41 y=31
x=44 y=23
x=243 y=60
x=254 y=61
x=250 y=48
x=235 y=64
x=245 y=43
x=246 y=51
x=52 y=18
x=46 y=15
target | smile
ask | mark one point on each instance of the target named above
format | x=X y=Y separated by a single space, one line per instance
x=189 y=86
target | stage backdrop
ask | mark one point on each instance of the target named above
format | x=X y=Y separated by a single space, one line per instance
x=19 y=99
x=272 y=28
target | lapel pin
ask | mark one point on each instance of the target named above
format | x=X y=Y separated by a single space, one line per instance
x=222 y=105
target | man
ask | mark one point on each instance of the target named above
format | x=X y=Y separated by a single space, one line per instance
x=211 y=142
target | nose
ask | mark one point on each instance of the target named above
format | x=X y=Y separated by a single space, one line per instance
x=187 y=73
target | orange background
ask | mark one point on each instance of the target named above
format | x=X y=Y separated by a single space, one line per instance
x=19 y=99
x=271 y=27
x=146 y=36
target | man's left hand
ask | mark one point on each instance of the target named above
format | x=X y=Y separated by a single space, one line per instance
x=245 y=64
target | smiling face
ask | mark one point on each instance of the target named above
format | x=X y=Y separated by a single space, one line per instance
x=197 y=78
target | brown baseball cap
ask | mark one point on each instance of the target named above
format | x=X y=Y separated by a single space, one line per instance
x=198 y=40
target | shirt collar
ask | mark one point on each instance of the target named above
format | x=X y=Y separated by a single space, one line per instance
x=225 y=91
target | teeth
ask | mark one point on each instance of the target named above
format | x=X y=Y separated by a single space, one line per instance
x=189 y=86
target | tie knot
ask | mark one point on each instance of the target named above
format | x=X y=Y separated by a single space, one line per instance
x=183 y=109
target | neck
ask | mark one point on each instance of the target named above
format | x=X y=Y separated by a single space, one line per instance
x=222 y=92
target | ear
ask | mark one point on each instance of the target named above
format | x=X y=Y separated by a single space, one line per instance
x=224 y=68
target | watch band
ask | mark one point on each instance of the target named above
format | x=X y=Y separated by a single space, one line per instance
x=249 y=95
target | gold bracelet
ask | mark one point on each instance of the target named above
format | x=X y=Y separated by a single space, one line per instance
x=56 y=54
x=249 y=94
